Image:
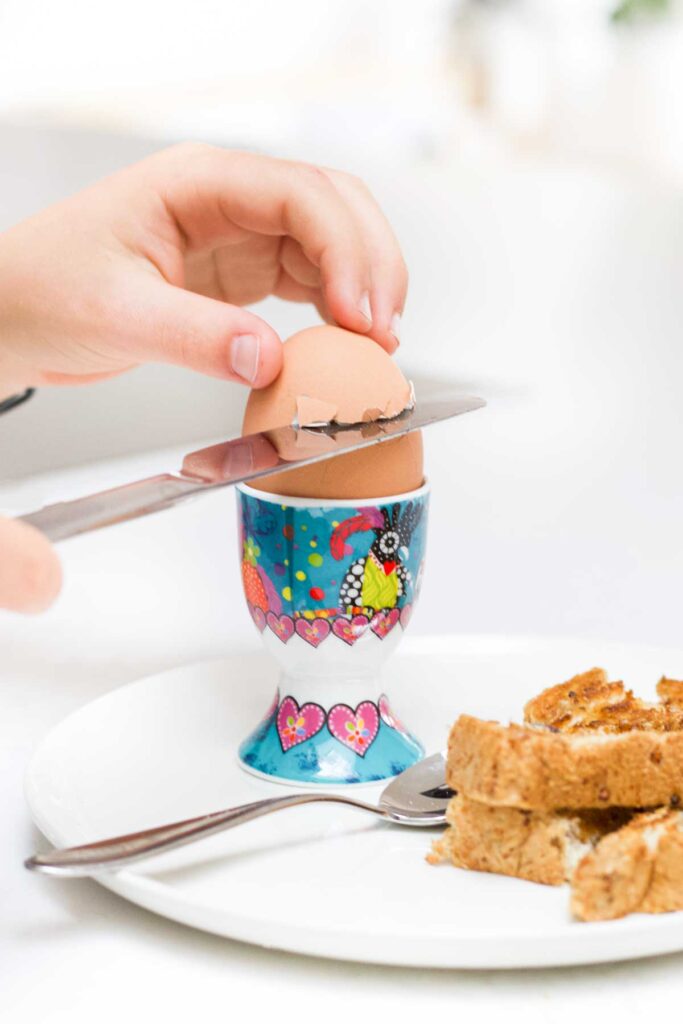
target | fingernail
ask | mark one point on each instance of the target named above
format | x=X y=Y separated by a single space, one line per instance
x=396 y=327
x=239 y=459
x=244 y=354
x=365 y=307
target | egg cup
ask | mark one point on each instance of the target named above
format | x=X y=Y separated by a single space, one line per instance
x=331 y=586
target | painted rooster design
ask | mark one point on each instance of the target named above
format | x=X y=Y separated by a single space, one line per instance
x=378 y=580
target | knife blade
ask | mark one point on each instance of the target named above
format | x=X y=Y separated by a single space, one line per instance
x=239 y=460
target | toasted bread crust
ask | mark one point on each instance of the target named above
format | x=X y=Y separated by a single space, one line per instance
x=589 y=703
x=670 y=691
x=637 y=869
x=522 y=767
x=539 y=847
x=558 y=706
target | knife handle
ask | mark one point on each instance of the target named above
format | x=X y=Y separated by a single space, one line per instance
x=69 y=518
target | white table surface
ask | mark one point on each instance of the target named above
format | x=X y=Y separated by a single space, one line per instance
x=558 y=510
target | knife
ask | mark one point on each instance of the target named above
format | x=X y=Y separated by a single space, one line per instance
x=237 y=461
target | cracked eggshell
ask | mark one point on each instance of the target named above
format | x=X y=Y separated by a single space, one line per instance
x=330 y=374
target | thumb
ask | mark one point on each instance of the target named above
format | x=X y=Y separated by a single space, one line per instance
x=172 y=325
x=30 y=573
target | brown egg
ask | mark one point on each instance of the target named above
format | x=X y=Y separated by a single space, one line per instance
x=329 y=374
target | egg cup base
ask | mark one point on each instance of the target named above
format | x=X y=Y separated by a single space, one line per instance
x=302 y=742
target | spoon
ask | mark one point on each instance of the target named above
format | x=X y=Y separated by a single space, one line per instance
x=417 y=797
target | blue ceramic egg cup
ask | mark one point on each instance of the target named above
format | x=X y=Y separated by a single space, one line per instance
x=331 y=587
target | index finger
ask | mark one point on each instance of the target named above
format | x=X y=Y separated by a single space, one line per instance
x=229 y=194
x=388 y=269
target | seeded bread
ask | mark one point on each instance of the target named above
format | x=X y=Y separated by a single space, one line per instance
x=587 y=743
x=617 y=861
x=537 y=846
x=556 y=799
x=637 y=869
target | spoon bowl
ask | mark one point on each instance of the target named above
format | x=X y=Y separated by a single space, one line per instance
x=419 y=795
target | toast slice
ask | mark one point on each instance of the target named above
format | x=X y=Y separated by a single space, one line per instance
x=534 y=845
x=618 y=861
x=637 y=869
x=585 y=744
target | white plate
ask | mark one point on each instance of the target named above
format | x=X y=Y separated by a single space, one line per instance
x=325 y=880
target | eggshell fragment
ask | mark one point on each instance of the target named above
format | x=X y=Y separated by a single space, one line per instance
x=311 y=411
x=333 y=375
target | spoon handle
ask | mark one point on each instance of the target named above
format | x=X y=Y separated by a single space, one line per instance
x=109 y=854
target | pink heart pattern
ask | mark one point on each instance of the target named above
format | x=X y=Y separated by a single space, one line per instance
x=281 y=625
x=313 y=631
x=389 y=718
x=355 y=729
x=350 y=630
x=297 y=724
x=383 y=623
x=406 y=612
x=259 y=617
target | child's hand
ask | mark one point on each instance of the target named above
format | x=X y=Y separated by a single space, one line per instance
x=155 y=263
